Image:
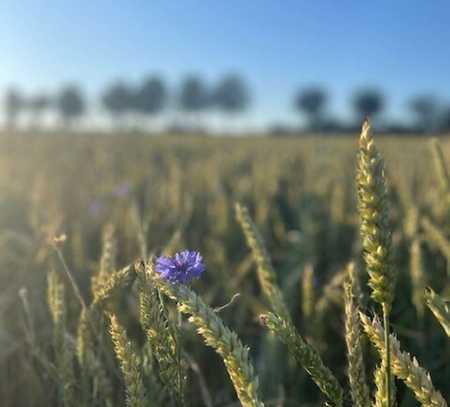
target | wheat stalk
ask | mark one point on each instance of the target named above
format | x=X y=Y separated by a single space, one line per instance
x=418 y=277
x=308 y=293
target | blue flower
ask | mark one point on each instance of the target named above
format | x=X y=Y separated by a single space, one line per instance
x=181 y=268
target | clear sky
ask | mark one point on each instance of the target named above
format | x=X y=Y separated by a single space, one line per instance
x=278 y=46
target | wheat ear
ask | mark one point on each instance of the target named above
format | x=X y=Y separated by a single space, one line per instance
x=403 y=366
x=63 y=350
x=436 y=237
x=225 y=342
x=441 y=169
x=439 y=308
x=129 y=363
x=89 y=361
x=353 y=339
x=162 y=337
x=266 y=273
x=381 y=397
x=107 y=259
x=113 y=285
x=374 y=229
x=306 y=356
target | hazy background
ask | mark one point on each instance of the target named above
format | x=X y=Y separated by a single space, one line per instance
x=60 y=58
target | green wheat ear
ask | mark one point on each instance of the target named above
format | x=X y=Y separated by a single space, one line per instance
x=163 y=338
x=403 y=366
x=353 y=339
x=375 y=233
x=266 y=274
x=130 y=364
x=373 y=211
x=306 y=356
x=224 y=341
x=62 y=348
x=435 y=236
x=439 y=308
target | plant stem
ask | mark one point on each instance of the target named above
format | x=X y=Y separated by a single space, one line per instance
x=388 y=352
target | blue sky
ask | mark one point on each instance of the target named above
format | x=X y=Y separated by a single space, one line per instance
x=401 y=46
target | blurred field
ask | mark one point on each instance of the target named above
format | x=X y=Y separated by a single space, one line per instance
x=301 y=195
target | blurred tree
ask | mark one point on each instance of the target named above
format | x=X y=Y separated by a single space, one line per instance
x=151 y=97
x=231 y=95
x=368 y=103
x=38 y=104
x=117 y=99
x=71 y=104
x=194 y=97
x=425 y=109
x=312 y=102
x=14 y=103
x=444 y=122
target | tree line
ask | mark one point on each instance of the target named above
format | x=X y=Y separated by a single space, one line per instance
x=142 y=104
x=427 y=115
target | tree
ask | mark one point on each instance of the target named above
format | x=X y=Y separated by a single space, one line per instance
x=444 y=122
x=151 y=97
x=425 y=109
x=194 y=97
x=368 y=103
x=118 y=100
x=231 y=95
x=14 y=103
x=312 y=101
x=37 y=105
x=71 y=104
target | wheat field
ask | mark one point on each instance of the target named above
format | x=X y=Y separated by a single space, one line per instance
x=315 y=250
